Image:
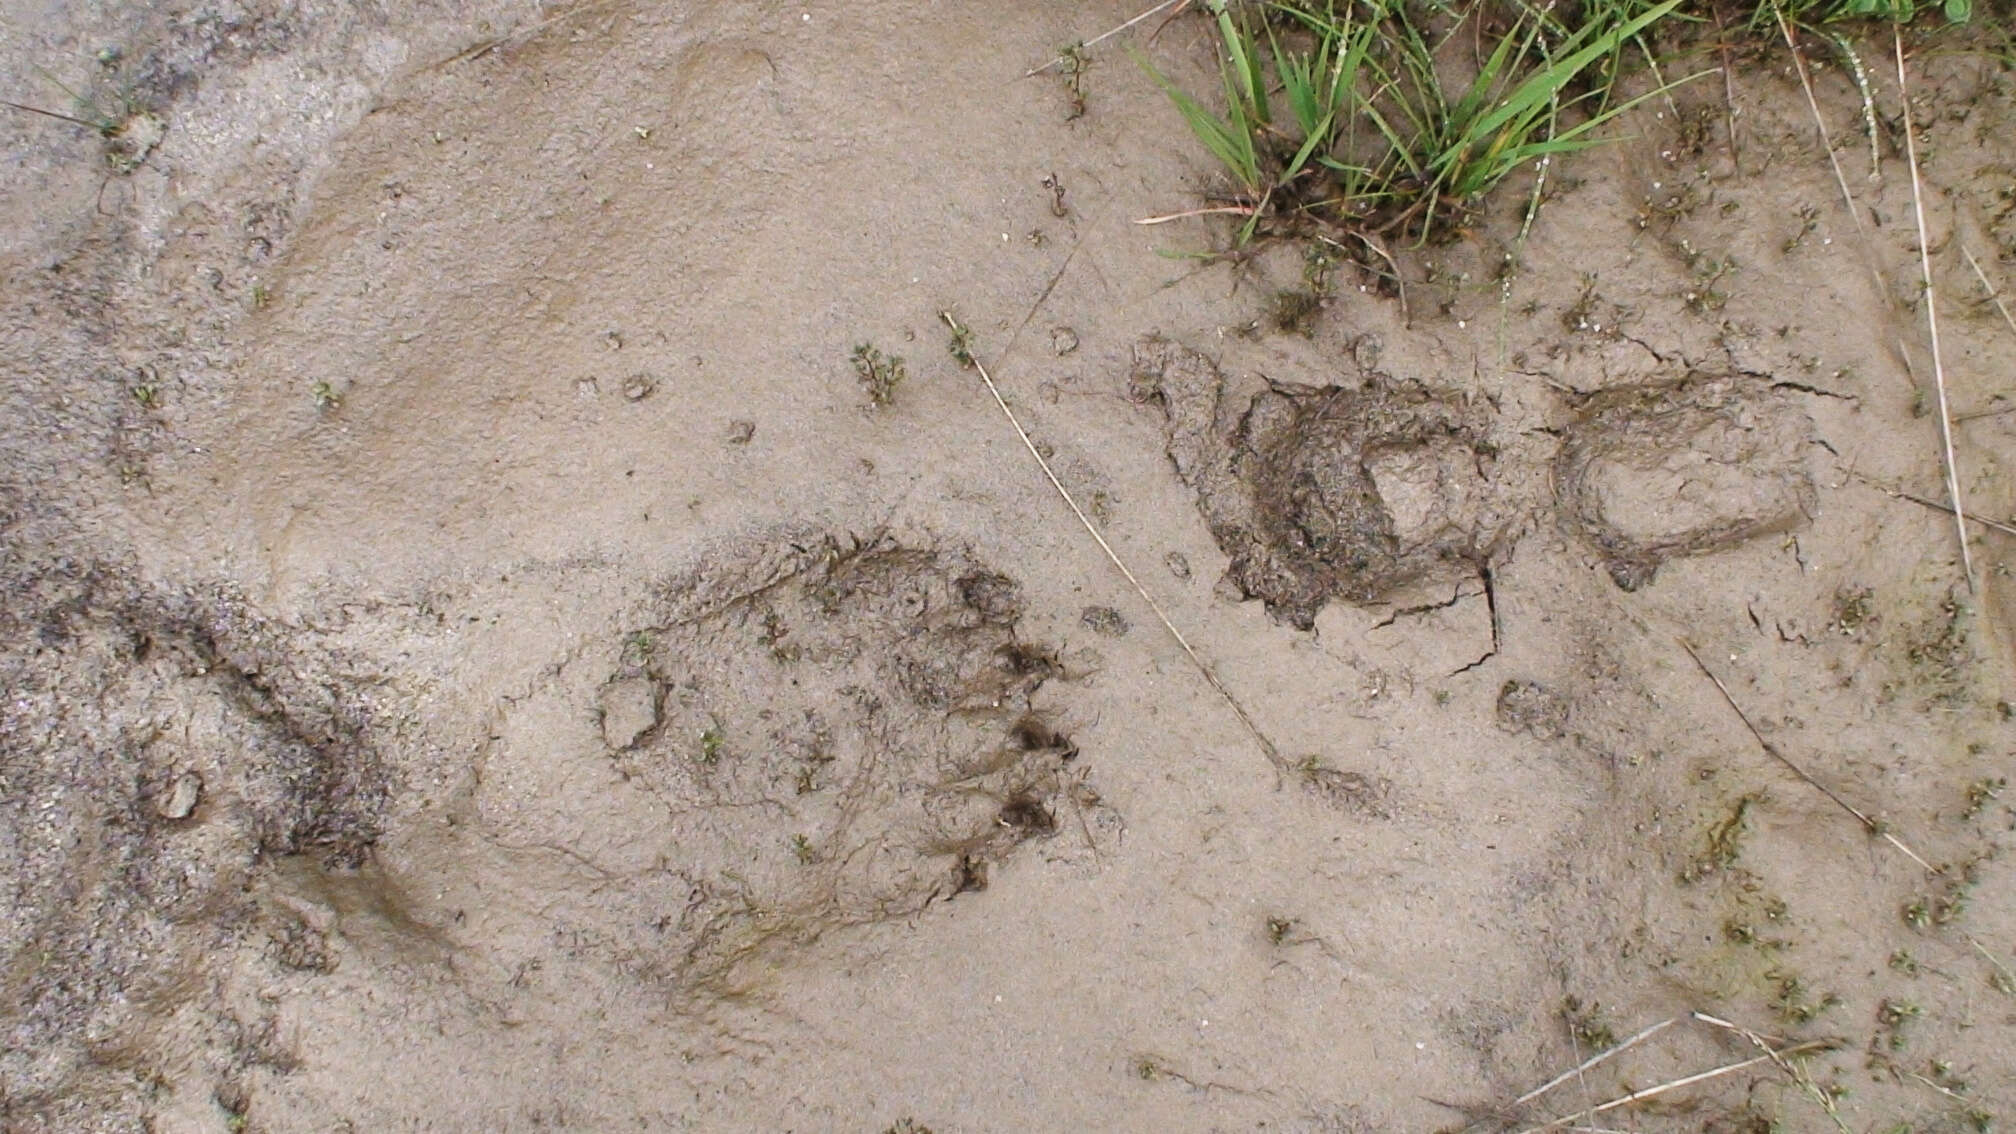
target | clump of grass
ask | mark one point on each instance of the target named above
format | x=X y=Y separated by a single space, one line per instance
x=880 y=374
x=1813 y=13
x=1372 y=135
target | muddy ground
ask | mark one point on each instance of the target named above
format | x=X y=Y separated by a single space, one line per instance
x=477 y=659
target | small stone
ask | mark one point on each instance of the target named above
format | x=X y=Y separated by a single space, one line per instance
x=1179 y=564
x=1105 y=620
x=586 y=387
x=637 y=387
x=179 y=801
x=629 y=710
x=739 y=432
x=1063 y=340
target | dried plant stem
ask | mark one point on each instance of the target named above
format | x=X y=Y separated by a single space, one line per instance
x=1267 y=746
x=1770 y=749
x=1932 y=316
x=1234 y=210
x=1577 y=1070
x=1570 y=1121
x=1994 y=296
x=1106 y=35
x=1868 y=824
x=1991 y=525
x=52 y=114
x=1841 y=178
x=1796 y=1074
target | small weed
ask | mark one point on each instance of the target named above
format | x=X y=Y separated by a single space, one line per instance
x=712 y=740
x=803 y=850
x=1854 y=611
x=880 y=374
x=1902 y=961
x=1279 y=929
x=148 y=394
x=1588 y=1025
x=1981 y=793
x=1891 y=1018
x=1703 y=297
x=1949 y=905
x=637 y=647
x=960 y=346
x=907 y=1126
x=1794 y=1007
x=1809 y=221
x=1941 y=652
x=1581 y=315
x=325 y=396
x=1725 y=843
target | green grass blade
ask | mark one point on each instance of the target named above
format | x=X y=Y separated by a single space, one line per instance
x=1230 y=141
x=1537 y=89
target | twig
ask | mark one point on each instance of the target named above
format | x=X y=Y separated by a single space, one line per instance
x=1571 y=1120
x=1796 y=1074
x=1992 y=525
x=1267 y=747
x=1932 y=317
x=1977 y=415
x=99 y=127
x=1728 y=92
x=1819 y=123
x=1399 y=282
x=1871 y=825
x=2007 y=976
x=1593 y=1060
x=1104 y=36
x=1993 y=295
x=1235 y=210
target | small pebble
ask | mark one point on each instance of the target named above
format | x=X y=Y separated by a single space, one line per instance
x=739 y=432
x=1063 y=340
x=1179 y=564
x=179 y=801
x=637 y=387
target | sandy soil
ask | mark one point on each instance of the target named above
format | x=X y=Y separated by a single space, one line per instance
x=476 y=659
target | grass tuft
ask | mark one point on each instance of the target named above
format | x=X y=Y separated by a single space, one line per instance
x=1345 y=115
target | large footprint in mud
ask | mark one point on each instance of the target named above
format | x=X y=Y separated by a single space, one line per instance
x=820 y=733
x=1654 y=471
x=1352 y=492
x=1321 y=492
